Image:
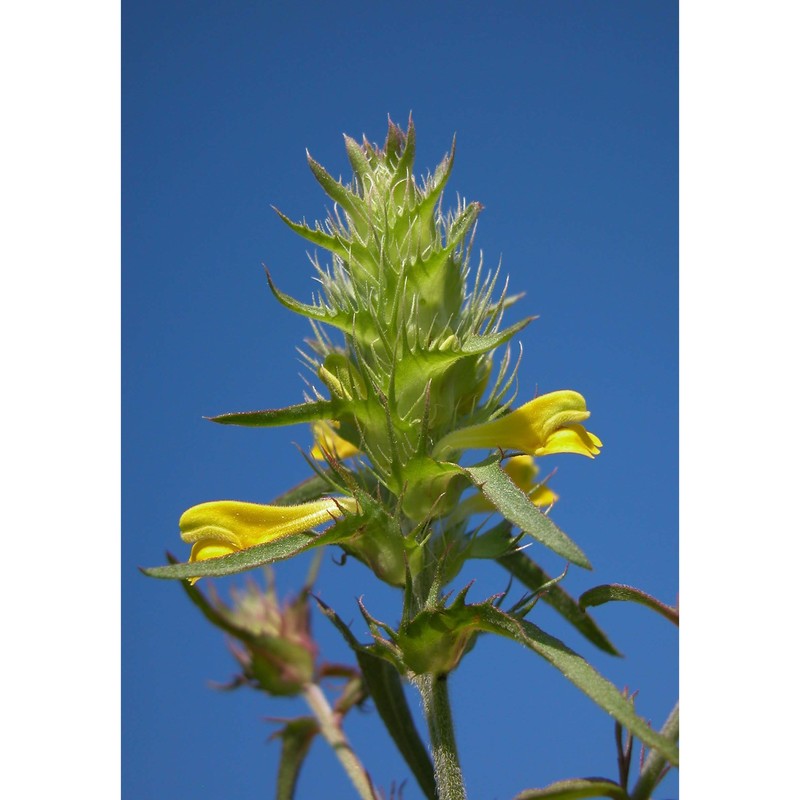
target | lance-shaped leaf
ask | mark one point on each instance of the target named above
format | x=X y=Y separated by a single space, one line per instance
x=386 y=689
x=296 y=738
x=610 y=592
x=531 y=575
x=518 y=509
x=273 y=417
x=576 y=789
x=244 y=560
x=578 y=671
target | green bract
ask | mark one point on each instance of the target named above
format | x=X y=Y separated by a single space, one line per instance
x=417 y=335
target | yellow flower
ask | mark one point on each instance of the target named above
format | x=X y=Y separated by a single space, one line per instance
x=523 y=471
x=548 y=424
x=327 y=439
x=223 y=527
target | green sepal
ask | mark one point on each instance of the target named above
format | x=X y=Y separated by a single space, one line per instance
x=533 y=577
x=576 y=789
x=273 y=417
x=578 y=671
x=296 y=737
x=430 y=490
x=378 y=542
x=386 y=689
x=617 y=591
x=518 y=509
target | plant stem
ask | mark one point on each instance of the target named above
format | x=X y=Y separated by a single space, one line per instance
x=653 y=769
x=334 y=735
x=436 y=704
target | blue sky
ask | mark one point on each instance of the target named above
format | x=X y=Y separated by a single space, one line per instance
x=567 y=132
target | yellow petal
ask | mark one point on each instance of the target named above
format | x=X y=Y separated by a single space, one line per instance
x=327 y=439
x=522 y=470
x=207 y=548
x=543 y=496
x=571 y=439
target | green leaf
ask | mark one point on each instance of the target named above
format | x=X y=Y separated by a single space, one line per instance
x=518 y=509
x=386 y=689
x=296 y=736
x=610 y=592
x=271 y=417
x=576 y=789
x=252 y=557
x=531 y=575
x=579 y=672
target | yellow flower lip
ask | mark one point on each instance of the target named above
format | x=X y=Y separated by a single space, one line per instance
x=547 y=424
x=222 y=527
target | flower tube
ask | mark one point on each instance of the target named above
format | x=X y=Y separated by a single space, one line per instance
x=227 y=526
x=548 y=424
